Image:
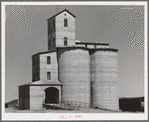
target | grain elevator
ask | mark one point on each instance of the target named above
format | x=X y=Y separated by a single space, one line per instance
x=71 y=70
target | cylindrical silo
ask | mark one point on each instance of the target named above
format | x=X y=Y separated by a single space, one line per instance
x=104 y=78
x=74 y=73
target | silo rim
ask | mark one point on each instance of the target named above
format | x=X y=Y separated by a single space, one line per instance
x=92 y=43
x=104 y=49
x=72 y=47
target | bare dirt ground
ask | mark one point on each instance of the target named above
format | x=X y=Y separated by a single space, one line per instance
x=82 y=110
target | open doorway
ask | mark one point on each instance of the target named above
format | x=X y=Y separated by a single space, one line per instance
x=52 y=95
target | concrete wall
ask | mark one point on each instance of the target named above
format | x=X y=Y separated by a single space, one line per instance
x=102 y=46
x=62 y=31
x=35 y=68
x=104 y=79
x=37 y=96
x=51 y=33
x=91 y=46
x=58 y=31
x=44 y=67
x=79 y=45
x=24 y=97
x=74 y=74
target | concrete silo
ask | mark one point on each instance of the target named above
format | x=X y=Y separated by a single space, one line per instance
x=104 y=78
x=74 y=73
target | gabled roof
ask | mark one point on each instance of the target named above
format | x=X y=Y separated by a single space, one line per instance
x=62 y=12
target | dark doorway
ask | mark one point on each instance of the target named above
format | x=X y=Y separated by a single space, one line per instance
x=131 y=104
x=52 y=95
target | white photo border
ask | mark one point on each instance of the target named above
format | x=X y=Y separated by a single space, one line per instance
x=85 y=116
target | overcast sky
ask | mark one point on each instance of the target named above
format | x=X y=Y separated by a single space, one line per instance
x=121 y=26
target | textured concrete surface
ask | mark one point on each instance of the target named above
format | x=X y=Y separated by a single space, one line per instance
x=62 y=31
x=35 y=68
x=51 y=33
x=86 y=76
x=74 y=74
x=104 y=79
x=37 y=96
x=101 y=46
x=52 y=67
x=24 y=97
x=91 y=46
x=58 y=31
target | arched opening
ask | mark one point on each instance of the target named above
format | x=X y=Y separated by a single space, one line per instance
x=48 y=75
x=65 y=23
x=48 y=60
x=52 y=95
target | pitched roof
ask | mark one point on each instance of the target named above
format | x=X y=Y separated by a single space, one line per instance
x=62 y=12
x=12 y=101
x=49 y=51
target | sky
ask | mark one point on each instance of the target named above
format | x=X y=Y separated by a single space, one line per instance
x=120 y=26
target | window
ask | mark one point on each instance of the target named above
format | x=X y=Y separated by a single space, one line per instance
x=65 y=23
x=48 y=60
x=65 y=41
x=49 y=75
